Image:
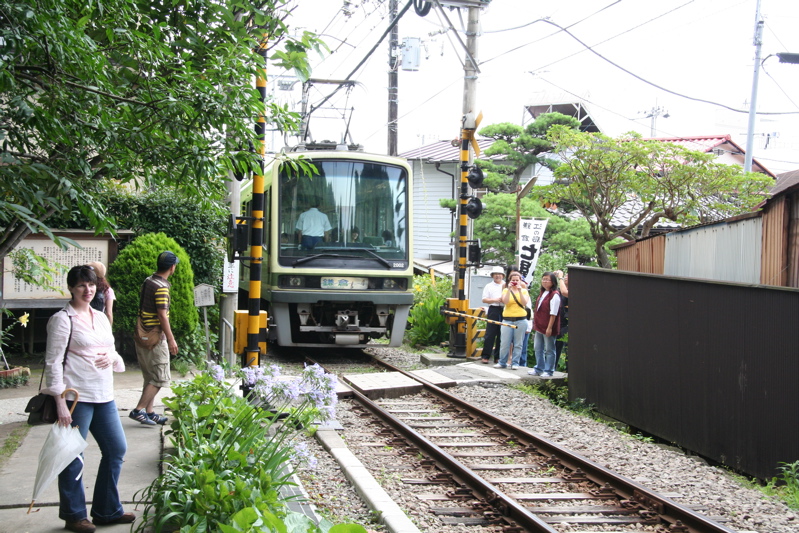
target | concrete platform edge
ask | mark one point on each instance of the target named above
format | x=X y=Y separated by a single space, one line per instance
x=390 y=514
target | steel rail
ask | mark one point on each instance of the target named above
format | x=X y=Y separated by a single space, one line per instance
x=461 y=473
x=506 y=505
x=680 y=518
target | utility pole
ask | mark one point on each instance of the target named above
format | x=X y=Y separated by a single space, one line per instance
x=750 y=131
x=654 y=113
x=393 y=79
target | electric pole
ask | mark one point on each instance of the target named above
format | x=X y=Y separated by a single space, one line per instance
x=750 y=131
x=393 y=79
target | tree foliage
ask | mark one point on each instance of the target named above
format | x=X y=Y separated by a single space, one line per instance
x=147 y=92
x=133 y=265
x=520 y=148
x=199 y=229
x=652 y=180
x=566 y=241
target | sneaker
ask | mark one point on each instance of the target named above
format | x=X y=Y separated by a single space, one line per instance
x=500 y=366
x=546 y=375
x=534 y=372
x=141 y=416
x=158 y=419
x=513 y=367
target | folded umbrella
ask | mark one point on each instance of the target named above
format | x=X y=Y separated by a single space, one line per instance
x=62 y=446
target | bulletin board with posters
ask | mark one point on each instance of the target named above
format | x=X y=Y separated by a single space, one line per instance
x=19 y=295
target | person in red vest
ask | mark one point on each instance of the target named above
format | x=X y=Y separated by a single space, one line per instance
x=546 y=325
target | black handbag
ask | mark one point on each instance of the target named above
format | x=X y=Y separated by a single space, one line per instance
x=41 y=408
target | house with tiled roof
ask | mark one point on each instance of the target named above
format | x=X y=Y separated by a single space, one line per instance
x=727 y=150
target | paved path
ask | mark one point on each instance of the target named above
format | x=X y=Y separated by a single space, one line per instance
x=17 y=475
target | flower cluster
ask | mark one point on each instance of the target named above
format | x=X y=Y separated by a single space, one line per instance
x=312 y=394
x=217 y=372
x=302 y=456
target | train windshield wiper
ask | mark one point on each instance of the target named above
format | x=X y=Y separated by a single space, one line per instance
x=373 y=255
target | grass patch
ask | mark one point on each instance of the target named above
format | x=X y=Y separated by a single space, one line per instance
x=557 y=395
x=784 y=487
x=11 y=442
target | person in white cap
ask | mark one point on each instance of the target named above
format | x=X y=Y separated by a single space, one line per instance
x=492 y=295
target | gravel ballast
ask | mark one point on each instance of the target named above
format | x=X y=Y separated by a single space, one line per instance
x=660 y=468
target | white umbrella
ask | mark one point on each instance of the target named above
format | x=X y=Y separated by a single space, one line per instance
x=62 y=446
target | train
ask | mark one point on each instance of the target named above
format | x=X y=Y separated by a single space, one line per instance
x=337 y=267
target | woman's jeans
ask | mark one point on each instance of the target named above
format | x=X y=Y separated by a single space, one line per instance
x=102 y=419
x=509 y=335
x=523 y=357
x=545 y=359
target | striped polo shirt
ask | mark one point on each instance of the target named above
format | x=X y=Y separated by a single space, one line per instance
x=154 y=296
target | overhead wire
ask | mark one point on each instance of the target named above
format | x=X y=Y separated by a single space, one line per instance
x=432 y=96
x=368 y=54
x=639 y=121
x=569 y=26
x=779 y=87
x=664 y=89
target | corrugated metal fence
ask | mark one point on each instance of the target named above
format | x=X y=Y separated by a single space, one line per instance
x=710 y=366
x=723 y=251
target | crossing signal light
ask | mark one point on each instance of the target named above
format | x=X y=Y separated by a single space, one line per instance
x=237 y=235
x=474 y=208
x=475 y=177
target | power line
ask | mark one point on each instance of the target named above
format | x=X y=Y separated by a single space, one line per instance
x=378 y=130
x=569 y=26
x=546 y=19
x=655 y=85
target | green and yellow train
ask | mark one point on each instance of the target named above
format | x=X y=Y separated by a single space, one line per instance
x=337 y=267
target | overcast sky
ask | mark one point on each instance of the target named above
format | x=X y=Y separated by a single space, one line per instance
x=701 y=49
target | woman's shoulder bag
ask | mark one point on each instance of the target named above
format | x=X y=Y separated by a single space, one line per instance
x=41 y=408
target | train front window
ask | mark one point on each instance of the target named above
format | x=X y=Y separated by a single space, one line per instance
x=350 y=209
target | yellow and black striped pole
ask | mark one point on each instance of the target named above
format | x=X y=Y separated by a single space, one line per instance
x=252 y=353
x=457 y=338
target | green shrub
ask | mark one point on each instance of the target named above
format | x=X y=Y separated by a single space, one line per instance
x=427 y=324
x=230 y=458
x=137 y=261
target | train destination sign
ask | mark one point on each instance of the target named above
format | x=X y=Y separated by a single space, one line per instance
x=359 y=284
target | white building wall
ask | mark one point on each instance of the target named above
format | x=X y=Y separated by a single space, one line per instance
x=721 y=252
x=432 y=224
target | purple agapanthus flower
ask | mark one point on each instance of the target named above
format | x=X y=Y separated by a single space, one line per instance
x=217 y=372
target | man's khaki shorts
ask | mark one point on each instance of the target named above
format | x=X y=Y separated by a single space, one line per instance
x=154 y=364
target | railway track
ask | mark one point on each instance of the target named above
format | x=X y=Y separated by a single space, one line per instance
x=470 y=468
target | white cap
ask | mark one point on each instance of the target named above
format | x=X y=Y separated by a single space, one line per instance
x=497 y=270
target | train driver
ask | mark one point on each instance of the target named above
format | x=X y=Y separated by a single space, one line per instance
x=313 y=226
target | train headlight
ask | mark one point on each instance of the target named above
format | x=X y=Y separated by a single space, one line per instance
x=292 y=281
x=394 y=284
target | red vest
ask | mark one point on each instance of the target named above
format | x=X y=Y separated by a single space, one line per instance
x=541 y=315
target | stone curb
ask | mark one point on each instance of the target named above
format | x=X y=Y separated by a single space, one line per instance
x=389 y=513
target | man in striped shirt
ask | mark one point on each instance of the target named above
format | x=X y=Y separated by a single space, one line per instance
x=154 y=361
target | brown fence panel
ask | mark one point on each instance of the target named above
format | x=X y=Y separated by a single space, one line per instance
x=712 y=367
